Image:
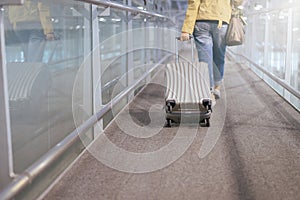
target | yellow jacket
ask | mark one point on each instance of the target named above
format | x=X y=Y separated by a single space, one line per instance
x=219 y=10
x=31 y=11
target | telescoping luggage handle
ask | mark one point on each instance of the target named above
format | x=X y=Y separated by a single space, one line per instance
x=177 y=50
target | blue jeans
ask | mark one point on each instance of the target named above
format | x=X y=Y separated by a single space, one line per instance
x=32 y=39
x=211 y=47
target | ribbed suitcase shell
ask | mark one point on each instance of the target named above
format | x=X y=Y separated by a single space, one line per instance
x=187 y=92
x=27 y=84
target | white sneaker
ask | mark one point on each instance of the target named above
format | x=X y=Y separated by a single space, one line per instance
x=213 y=100
x=217 y=92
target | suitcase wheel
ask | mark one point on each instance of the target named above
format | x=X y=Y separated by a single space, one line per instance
x=169 y=109
x=168 y=123
x=205 y=122
x=169 y=105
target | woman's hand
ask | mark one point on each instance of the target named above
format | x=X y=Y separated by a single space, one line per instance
x=50 y=36
x=184 y=36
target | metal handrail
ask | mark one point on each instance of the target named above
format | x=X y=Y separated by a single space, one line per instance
x=270 y=75
x=32 y=172
x=125 y=8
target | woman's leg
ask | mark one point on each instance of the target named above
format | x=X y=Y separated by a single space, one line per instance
x=219 y=50
x=204 y=45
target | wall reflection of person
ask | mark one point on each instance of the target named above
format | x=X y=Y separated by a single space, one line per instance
x=32 y=25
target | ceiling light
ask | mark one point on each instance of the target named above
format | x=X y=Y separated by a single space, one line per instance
x=115 y=20
x=101 y=19
x=258 y=7
x=295 y=29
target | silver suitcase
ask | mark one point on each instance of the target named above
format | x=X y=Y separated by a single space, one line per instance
x=187 y=94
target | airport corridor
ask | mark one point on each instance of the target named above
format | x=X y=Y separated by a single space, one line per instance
x=255 y=156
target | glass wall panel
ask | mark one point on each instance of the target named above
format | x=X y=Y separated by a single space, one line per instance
x=46 y=45
x=54 y=53
x=257 y=39
x=140 y=37
x=272 y=40
x=111 y=44
x=295 y=57
x=276 y=46
x=139 y=4
x=295 y=61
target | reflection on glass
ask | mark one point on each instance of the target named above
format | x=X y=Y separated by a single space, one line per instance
x=259 y=39
x=296 y=49
x=50 y=65
x=273 y=34
x=276 y=49
x=45 y=46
